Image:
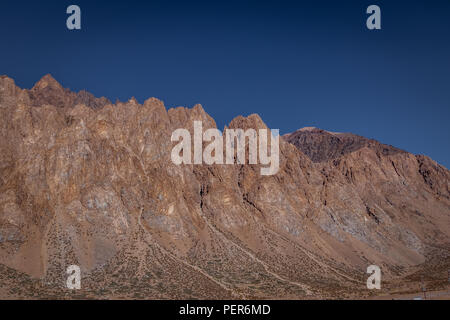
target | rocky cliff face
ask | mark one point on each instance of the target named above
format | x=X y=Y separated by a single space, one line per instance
x=89 y=183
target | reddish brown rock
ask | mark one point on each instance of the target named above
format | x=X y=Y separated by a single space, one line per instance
x=89 y=183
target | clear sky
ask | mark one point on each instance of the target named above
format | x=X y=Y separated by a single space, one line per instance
x=295 y=63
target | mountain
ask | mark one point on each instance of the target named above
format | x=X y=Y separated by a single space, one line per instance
x=89 y=183
x=321 y=145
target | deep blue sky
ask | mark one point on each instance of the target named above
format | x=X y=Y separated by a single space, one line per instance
x=296 y=64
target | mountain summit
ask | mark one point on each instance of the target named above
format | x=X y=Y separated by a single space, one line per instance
x=47 y=81
x=48 y=91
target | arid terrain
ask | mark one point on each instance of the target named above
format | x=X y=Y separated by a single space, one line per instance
x=90 y=183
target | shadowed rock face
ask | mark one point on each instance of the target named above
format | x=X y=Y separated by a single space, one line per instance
x=89 y=183
x=321 y=145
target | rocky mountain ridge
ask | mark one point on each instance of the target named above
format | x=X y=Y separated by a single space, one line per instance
x=86 y=182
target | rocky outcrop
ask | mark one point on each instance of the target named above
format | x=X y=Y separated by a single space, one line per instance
x=321 y=145
x=86 y=182
x=48 y=91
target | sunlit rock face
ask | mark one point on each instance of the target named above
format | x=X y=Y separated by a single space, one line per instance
x=89 y=183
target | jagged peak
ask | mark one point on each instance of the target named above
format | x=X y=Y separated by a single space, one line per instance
x=253 y=121
x=133 y=100
x=47 y=81
x=7 y=81
x=153 y=101
x=198 y=108
x=5 y=77
x=156 y=104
